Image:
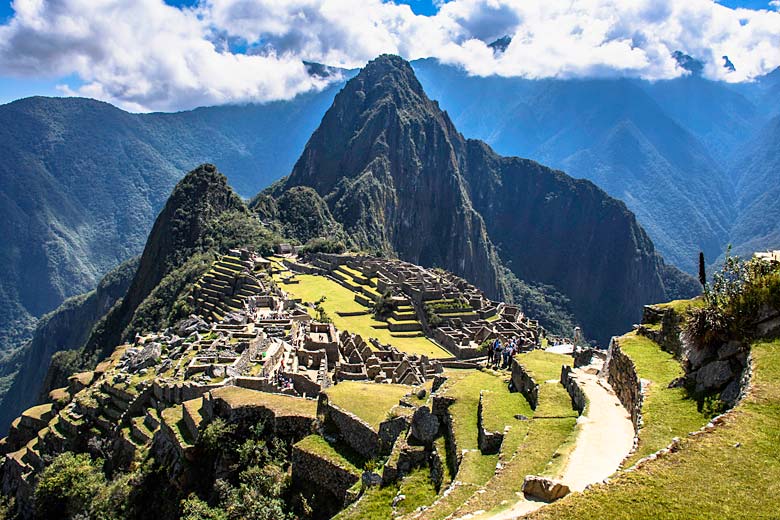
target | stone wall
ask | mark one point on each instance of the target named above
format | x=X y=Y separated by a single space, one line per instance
x=351 y=429
x=489 y=441
x=572 y=386
x=621 y=375
x=441 y=408
x=311 y=470
x=524 y=383
x=584 y=356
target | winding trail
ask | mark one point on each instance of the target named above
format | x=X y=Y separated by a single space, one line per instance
x=605 y=436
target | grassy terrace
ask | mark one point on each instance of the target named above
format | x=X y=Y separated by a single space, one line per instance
x=731 y=472
x=369 y=401
x=310 y=288
x=476 y=469
x=535 y=447
x=318 y=446
x=542 y=365
x=666 y=412
x=237 y=397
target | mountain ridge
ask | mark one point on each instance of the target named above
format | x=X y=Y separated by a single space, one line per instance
x=397 y=175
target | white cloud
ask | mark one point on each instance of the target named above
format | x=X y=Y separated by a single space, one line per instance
x=146 y=55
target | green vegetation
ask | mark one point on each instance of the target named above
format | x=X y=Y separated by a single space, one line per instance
x=369 y=401
x=666 y=412
x=476 y=469
x=730 y=472
x=319 y=446
x=734 y=300
x=311 y=288
x=536 y=446
x=543 y=365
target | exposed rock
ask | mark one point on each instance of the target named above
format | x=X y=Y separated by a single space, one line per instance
x=729 y=349
x=713 y=376
x=371 y=479
x=544 y=488
x=425 y=425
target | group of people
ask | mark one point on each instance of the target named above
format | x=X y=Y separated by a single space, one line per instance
x=500 y=356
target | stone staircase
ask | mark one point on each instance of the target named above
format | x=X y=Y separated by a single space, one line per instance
x=224 y=288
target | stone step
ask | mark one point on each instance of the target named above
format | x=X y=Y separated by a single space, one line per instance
x=192 y=416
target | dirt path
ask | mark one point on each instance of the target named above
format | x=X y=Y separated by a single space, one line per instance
x=605 y=436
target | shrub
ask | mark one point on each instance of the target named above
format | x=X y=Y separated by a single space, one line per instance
x=739 y=292
x=68 y=486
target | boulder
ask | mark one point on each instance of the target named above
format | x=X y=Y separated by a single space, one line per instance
x=713 y=376
x=729 y=349
x=425 y=425
x=544 y=488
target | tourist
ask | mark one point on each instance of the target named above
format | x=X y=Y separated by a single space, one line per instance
x=497 y=354
x=507 y=354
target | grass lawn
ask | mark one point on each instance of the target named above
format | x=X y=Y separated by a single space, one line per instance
x=538 y=446
x=666 y=412
x=311 y=288
x=543 y=365
x=376 y=502
x=731 y=472
x=418 y=490
x=369 y=401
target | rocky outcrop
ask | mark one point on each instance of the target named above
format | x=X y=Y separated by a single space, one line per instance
x=397 y=175
x=524 y=383
x=621 y=375
x=544 y=488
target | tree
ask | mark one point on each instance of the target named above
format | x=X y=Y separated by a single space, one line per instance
x=702 y=271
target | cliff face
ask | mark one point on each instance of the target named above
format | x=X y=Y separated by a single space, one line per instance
x=400 y=178
x=387 y=161
x=66 y=328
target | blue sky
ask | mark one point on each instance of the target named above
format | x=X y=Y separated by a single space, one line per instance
x=165 y=59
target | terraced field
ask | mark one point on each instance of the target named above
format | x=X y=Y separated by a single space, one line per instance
x=340 y=304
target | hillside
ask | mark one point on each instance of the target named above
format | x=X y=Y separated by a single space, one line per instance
x=402 y=180
x=83 y=181
x=216 y=415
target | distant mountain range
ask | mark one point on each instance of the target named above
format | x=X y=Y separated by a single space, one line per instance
x=82 y=181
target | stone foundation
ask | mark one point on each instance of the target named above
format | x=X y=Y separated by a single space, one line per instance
x=622 y=376
x=525 y=384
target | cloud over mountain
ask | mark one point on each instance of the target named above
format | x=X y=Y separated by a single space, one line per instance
x=148 y=55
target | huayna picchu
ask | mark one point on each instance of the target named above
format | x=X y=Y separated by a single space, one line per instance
x=407 y=326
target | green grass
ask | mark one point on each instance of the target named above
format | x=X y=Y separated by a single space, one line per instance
x=477 y=469
x=369 y=401
x=731 y=472
x=666 y=412
x=281 y=405
x=319 y=446
x=680 y=306
x=534 y=456
x=376 y=502
x=340 y=299
x=418 y=489
x=537 y=446
x=542 y=365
